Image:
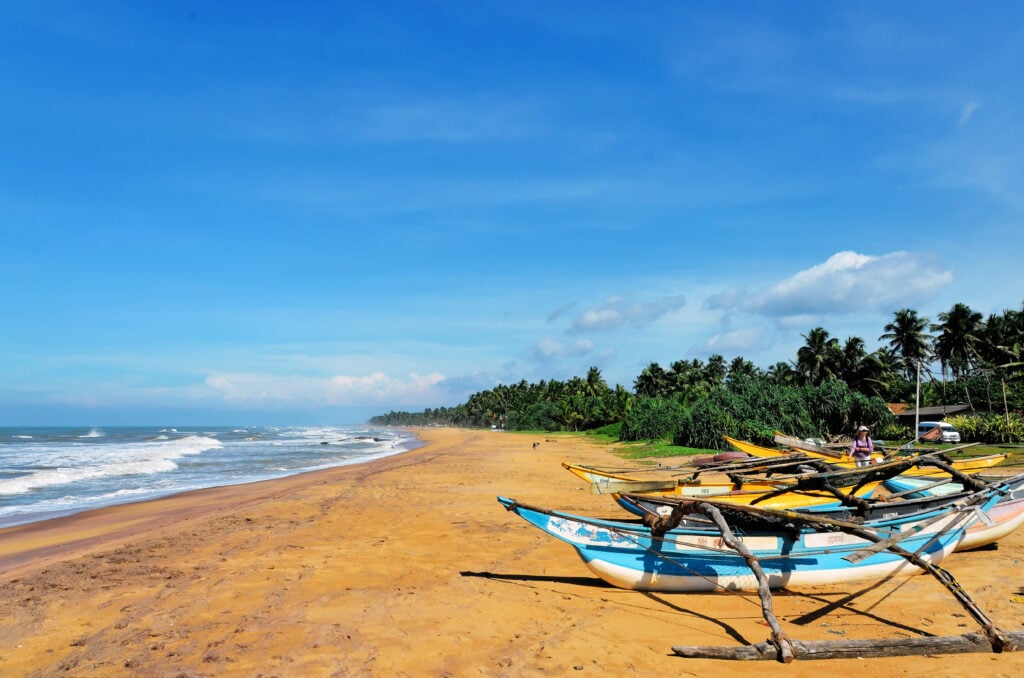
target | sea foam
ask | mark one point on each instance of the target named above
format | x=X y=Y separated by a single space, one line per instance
x=110 y=461
x=45 y=472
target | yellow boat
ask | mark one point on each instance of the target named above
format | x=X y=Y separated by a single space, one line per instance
x=746 y=492
x=969 y=465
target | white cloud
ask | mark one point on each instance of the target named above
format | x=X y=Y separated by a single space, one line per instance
x=736 y=341
x=339 y=390
x=847 y=282
x=729 y=299
x=617 y=312
x=551 y=349
x=967 y=113
x=797 y=322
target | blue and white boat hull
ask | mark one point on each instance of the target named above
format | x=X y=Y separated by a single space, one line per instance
x=628 y=556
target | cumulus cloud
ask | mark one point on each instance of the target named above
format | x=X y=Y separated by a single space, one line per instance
x=618 y=312
x=847 y=282
x=736 y=341
x=338 y=390
x=552 y=349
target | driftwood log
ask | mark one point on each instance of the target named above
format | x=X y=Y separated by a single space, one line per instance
x=849 y=649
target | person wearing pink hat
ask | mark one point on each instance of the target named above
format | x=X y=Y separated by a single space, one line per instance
x=862 y=447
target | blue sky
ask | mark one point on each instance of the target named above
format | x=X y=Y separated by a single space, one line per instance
x=272 y=213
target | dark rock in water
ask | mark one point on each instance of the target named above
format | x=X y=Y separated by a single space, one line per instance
x=324 y=442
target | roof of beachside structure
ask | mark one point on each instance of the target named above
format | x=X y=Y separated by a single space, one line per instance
x=933 y=413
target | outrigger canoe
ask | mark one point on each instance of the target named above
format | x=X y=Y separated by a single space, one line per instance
x=748 y=491
x=969 y=465
x=792 y=549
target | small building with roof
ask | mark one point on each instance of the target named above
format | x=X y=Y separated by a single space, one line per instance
x=907 y=415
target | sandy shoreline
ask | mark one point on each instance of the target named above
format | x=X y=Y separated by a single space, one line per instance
x=408 y=566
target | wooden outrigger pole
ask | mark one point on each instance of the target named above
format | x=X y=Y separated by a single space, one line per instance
x=781 y=648
x=848 y=649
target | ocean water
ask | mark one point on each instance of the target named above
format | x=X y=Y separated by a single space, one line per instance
x=50 y=472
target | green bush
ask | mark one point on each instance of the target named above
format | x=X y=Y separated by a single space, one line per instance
x=608 y=430
x=651 y=419
x=989 y=427
x=893 y=431
x=753 y=409
x=835 y=409
x=539 y=416
x=703 y=426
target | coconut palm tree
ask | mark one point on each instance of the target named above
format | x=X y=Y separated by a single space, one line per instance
x=682 y=375
x=741 y=367
x=1002 y=350
x=621 y=401
x=960 y=330
x=596 y=385
x=782 y=373
x=853 y=354
x=907 y=337
x=862 y=371
x=1000 y=335
x=715 y=370
x=892 y=374
x=651 y=382
x=818 y=359
x=570 y=411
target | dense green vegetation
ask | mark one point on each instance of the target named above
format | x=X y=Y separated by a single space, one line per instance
x=829 y=388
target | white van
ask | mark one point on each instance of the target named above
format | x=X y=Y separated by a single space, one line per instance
x=949 y=434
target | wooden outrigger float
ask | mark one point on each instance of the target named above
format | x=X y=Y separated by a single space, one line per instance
x=852 y=649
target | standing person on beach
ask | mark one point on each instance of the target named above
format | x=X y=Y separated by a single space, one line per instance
x=862 y=447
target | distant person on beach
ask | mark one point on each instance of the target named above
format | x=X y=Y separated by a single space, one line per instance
x=862 y=447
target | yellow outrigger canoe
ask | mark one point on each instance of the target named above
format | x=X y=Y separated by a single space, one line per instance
x=606 y=482
x=969 y=465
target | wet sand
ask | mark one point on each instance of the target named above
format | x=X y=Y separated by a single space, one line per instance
x=407 y=566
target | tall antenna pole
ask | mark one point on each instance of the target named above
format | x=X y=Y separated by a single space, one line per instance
x=917 y=401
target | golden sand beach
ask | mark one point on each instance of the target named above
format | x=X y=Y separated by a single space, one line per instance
x=407 y=566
